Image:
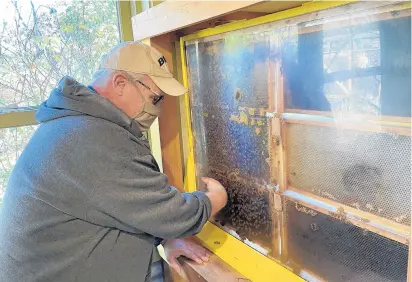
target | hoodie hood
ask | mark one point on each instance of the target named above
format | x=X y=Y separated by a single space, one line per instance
x=72 y=98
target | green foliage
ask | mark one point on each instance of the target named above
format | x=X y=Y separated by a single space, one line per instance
x=40 y=42
x=45 y=42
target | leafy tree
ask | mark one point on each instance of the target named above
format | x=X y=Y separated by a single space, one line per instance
x=40 y=42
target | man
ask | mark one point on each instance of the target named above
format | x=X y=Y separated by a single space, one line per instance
x=86 y=200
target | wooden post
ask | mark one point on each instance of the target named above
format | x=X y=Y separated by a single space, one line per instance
x=280 y=139
x=169 y=121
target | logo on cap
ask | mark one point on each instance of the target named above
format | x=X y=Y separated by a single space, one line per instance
x=162 y=61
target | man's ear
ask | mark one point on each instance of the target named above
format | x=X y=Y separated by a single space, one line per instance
x=119 y=82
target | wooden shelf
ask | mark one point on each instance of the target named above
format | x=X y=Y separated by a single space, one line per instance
x=174 y=15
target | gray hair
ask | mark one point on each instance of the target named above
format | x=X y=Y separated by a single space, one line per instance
x=103 y=75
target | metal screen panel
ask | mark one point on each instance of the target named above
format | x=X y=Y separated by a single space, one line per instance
x=365 y=170
x=338 y=251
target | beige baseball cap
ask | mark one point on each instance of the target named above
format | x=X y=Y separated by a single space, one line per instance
x=140 y=58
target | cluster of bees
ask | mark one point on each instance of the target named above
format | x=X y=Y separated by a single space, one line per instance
x=248 y=211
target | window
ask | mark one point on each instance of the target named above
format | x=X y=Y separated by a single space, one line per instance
x=40 y=42
x=351 y=69
x=306 y=122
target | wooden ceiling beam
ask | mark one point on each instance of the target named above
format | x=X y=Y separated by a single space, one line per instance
x=173 y=15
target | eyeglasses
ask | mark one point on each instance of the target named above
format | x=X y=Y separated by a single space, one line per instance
x=157 y=98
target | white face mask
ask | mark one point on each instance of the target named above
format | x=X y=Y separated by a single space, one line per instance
x=147 y=116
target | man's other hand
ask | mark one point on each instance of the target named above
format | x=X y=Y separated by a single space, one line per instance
x=175 y=248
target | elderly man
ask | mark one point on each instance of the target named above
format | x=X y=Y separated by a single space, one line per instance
x=86 y=200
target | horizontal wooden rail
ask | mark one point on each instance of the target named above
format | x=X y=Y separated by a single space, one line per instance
x=365 y=220
x=17 y=118
x=349 y=122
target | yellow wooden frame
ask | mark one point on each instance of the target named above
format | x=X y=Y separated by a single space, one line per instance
x=244 y=259
x=17 y=118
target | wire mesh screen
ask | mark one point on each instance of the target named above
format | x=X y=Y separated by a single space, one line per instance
x=229 y=91
x=365 y=170
x=338 y=251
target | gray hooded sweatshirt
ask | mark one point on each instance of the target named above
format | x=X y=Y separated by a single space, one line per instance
x=86 y=200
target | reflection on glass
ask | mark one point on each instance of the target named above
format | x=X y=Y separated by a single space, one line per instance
x=354 y=69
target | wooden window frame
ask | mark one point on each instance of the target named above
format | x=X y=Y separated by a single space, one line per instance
x=236 y=253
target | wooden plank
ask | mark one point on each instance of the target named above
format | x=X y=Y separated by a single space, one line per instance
x=336 y=114
x=307 y=12
x=368 y=126
x=213 y=270
x=225 y=19
x=154 y=135
x=182 y=110
x=270 y=7
x=170 y=275
x=362 y=219
x=17 y=118
x=125 y=22
x=172 y=15
x=169 y=120
x=273 y=148
x=279 y=135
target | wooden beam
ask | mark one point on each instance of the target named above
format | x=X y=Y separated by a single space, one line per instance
x=225 y=19
x=213 y=270
x=169 y=120
x=369 y=126
x=125 y=22
x=173 y=15
x=182 y=110
x=17 y=118
x=406 y=121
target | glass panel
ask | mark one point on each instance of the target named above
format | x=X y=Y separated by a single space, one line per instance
x=41 y=41
x=337 y=251
x=360 y=65
x=12 y=142
x=230 y=99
